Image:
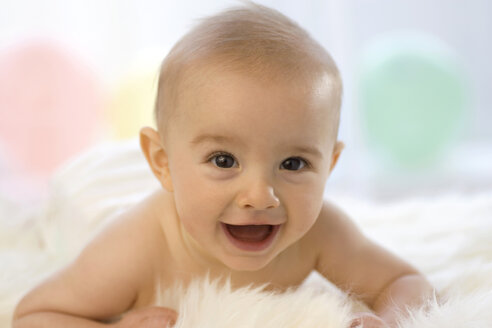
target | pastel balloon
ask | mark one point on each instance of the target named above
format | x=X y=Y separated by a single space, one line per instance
x=50 y=106
x=412 y=94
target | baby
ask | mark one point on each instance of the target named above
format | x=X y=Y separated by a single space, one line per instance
x=248 y=111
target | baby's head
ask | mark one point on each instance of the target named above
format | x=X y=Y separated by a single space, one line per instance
x=247 y=111
x=252 y=40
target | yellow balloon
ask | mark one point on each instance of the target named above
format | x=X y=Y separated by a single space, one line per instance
x=131 y=104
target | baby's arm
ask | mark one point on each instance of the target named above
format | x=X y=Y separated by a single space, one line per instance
x=386 y=283
x=407 y=291
x=102 y=283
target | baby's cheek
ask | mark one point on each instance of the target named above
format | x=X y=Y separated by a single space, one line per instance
x=299 y=222
x=308 y=204
x=199 y=209
x=304 y=217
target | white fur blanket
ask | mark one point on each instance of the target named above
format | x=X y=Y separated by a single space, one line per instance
x=449 y=238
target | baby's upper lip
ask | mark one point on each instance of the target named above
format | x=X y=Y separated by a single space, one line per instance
x=254 y=221
x=253 y=218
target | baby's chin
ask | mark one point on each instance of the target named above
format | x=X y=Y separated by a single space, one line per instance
x=246 y=263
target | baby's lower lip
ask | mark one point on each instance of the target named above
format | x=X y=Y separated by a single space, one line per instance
x=251 y=246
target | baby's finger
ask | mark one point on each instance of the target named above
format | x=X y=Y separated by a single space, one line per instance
x=356 y=323
x=157 y=322
x=368 y=320
x=159 y=313
x=150 y=317
x=156 y=311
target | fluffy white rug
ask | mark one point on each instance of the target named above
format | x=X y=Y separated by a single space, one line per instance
x=213 y=304
x=449 y=238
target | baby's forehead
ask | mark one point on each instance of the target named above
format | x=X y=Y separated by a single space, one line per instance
x=212 y=83
x=234 y=101
x=210 y=75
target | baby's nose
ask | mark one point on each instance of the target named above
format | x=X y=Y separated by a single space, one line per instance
x=259 y=195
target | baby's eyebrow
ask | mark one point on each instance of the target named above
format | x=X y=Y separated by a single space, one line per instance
x=215 y=138
x=308 y=150
x=224 y=139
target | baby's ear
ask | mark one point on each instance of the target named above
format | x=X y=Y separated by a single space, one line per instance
x=156 y=156
x=337 y=150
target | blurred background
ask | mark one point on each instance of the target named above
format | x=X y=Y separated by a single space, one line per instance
x=417 y=105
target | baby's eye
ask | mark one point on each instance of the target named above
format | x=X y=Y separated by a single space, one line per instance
x=222 y=160
x=294 y=163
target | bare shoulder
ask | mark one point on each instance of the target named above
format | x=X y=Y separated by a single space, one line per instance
x=351 y=260
x=334 y=226
x=332 y=229
x=106 y=277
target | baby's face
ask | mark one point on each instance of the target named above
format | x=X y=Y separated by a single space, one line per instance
x=248 y=162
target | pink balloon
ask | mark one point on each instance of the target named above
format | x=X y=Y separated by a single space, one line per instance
x=50 y=106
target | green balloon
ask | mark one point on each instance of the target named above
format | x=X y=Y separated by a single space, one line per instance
x=412 y=94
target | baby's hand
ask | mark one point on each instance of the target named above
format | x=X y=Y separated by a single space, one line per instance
x=367 y=320
x=150 y=317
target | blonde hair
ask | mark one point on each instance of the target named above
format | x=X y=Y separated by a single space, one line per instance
x=252 y=39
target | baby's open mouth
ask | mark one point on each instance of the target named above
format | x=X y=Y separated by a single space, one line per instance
x=250 y=233
x=251 y=237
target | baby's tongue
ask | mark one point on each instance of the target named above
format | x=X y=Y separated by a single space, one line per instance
x=250 y=233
